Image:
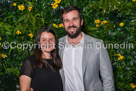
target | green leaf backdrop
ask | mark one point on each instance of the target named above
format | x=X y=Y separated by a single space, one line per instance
x=113 y=21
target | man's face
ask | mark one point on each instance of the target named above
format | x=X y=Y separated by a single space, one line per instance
x=72 y=23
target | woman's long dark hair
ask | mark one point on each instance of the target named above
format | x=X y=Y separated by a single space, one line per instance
x=39 y=61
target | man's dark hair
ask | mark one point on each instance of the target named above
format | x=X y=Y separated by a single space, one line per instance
x=70 y=8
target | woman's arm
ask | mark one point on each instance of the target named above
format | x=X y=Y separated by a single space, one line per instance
x=25 y=83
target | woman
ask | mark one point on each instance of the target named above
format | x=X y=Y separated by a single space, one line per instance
x=41 y=70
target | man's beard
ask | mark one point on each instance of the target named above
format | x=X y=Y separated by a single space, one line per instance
x=76 y=34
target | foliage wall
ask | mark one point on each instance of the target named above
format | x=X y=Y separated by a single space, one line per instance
x=113 y=21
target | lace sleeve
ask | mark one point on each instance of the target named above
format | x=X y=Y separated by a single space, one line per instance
x=26 y=68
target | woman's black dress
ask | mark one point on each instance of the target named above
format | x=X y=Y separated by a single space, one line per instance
x=42 y=79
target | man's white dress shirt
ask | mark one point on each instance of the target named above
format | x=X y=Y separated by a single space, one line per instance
x=72 y=65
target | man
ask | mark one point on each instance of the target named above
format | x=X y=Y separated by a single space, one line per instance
x=84 y=68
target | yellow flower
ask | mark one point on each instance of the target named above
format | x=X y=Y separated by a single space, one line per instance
x=3 y=55
x=0 y=38
x=56 y=26
x=102 y=23
x=118 y=54
x=121 y=24
x=21 y=7
x=132 y=85
x=18 y=32
x=14 y=4
x=0 y=44
x=105 y=21
x=57 y=1
x=55 y=5
x=133 y=0
x=29 y=8
x=61 y=25
x=97 y=25
x=97 y=21
x=120 y=57
x=31 y=35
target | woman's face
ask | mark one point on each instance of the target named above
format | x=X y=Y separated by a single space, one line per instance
x=47 y=42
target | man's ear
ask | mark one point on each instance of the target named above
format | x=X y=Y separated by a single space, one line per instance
x=82 y=22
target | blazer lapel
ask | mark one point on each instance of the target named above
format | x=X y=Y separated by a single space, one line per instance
x=61 y=51
x=62 y=43
x=86 y=53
